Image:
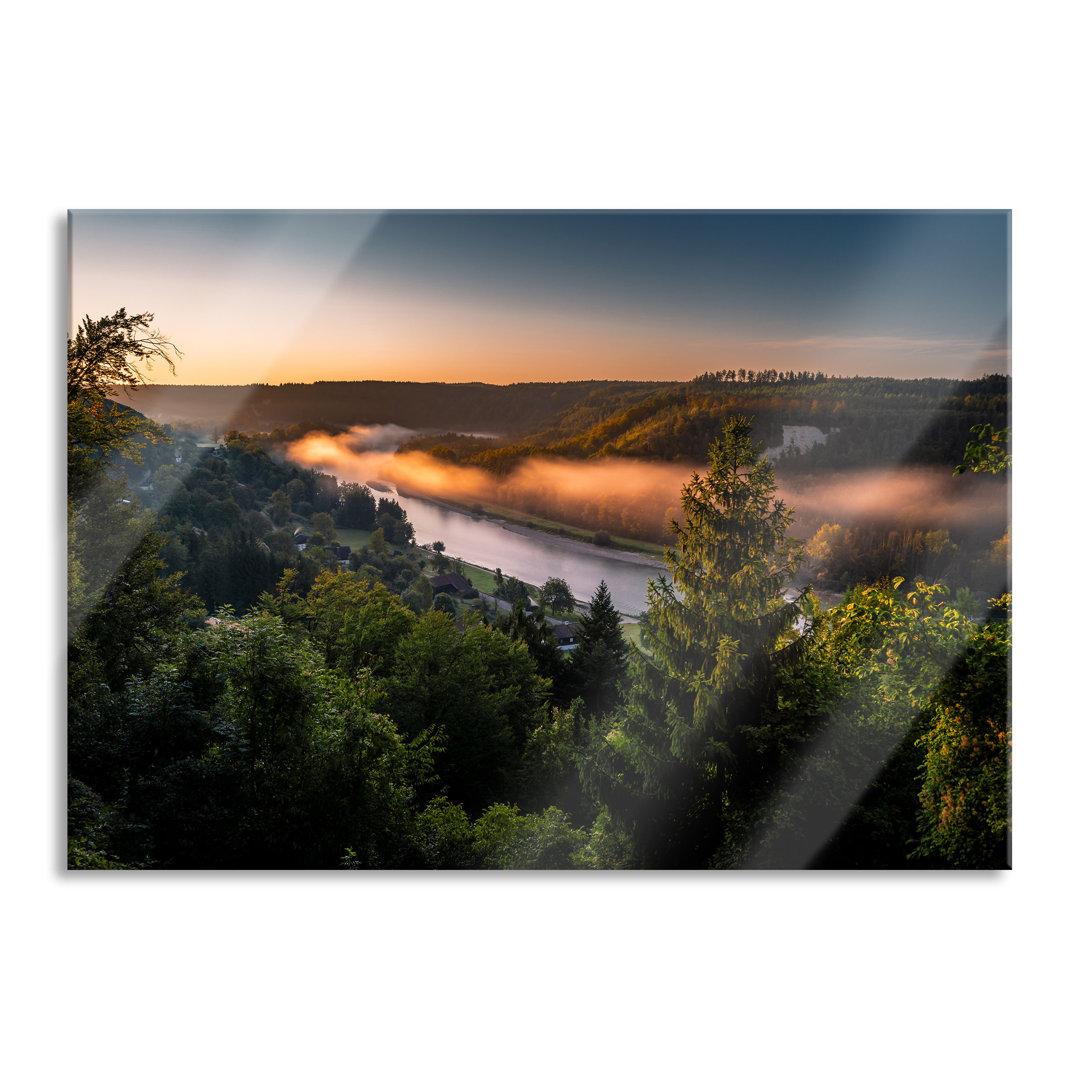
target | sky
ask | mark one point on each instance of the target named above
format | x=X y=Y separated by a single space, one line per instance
x=503 y=297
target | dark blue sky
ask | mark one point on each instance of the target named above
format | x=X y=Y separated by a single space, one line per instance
x=946 y=272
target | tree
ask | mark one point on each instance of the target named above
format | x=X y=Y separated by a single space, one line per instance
x=511 y=589
x=439 y=562
x=539 y=638
x=418 y=596
x=672 y=764
x=600 y=660
x=357 y=623
x=965 y=815
x=104 y=355
x=280 y=507
x=242 y=749
x=987 y=451
x=445 y=603
x=506 y=839
x=715 y=626
x=473 y=698
x=323 y=524
x=892 y=736
x=556 y=594
x=356 y=507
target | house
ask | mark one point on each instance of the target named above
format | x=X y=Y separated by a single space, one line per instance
x=565 y=637
x=454 y=584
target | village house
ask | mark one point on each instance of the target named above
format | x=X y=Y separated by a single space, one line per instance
x=454 y=584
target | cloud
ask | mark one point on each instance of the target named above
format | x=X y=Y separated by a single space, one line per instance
x=873 y=342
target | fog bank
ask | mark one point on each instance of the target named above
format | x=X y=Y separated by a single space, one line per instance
x=639 y=498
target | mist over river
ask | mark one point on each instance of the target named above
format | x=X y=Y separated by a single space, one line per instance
x=367 y=456
x=898 y=498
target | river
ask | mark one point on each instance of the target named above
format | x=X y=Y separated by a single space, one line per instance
x=534 y=556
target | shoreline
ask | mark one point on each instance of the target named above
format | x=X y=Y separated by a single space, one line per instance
x=620 y=555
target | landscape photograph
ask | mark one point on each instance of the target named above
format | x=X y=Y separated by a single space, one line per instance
x=539 y=540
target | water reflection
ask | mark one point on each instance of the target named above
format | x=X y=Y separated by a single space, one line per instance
x=532 y=557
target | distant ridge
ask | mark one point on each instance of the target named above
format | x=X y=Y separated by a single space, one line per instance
x=472 y=406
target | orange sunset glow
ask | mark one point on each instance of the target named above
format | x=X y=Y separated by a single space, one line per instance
x=301 y=297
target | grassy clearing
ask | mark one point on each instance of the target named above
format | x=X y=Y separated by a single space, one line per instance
x=482 y=578
x=355 y=538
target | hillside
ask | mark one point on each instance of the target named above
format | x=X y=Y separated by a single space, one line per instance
x=869 y=421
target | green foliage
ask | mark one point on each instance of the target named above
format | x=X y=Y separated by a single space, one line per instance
x=357 y=623
x=987 y=451
x=600 y=660
x=444 y=603
x=82 y=856
x=850 y=735
x=965 y=800
x=865 y=553
x=280 y=507
x=473 y=697
x=443 y=837
x=323 y=524
x=107 y=354
x=273 y=760
x=679 y=755
x=91 y=825
x=555 y=594
x=510 y=588
x=608 y=847
x=356 y=507
x=539 y=638
x=135 y=614
x=549 y=772
x=418 y=596
x=506 y=839
x=715 y=626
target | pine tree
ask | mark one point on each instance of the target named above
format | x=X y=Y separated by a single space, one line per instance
x=672 y=767
x=600 y=660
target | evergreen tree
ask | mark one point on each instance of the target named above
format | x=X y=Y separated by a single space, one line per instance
x=686 y=744
x=600 y=660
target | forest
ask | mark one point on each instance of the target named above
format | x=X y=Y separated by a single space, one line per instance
x=261 y=675
x=868 y=421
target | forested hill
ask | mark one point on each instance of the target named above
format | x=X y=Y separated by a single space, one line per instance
x=868 y=421
x=441 y=406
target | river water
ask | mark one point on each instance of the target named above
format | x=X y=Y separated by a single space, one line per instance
x=533 y=557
